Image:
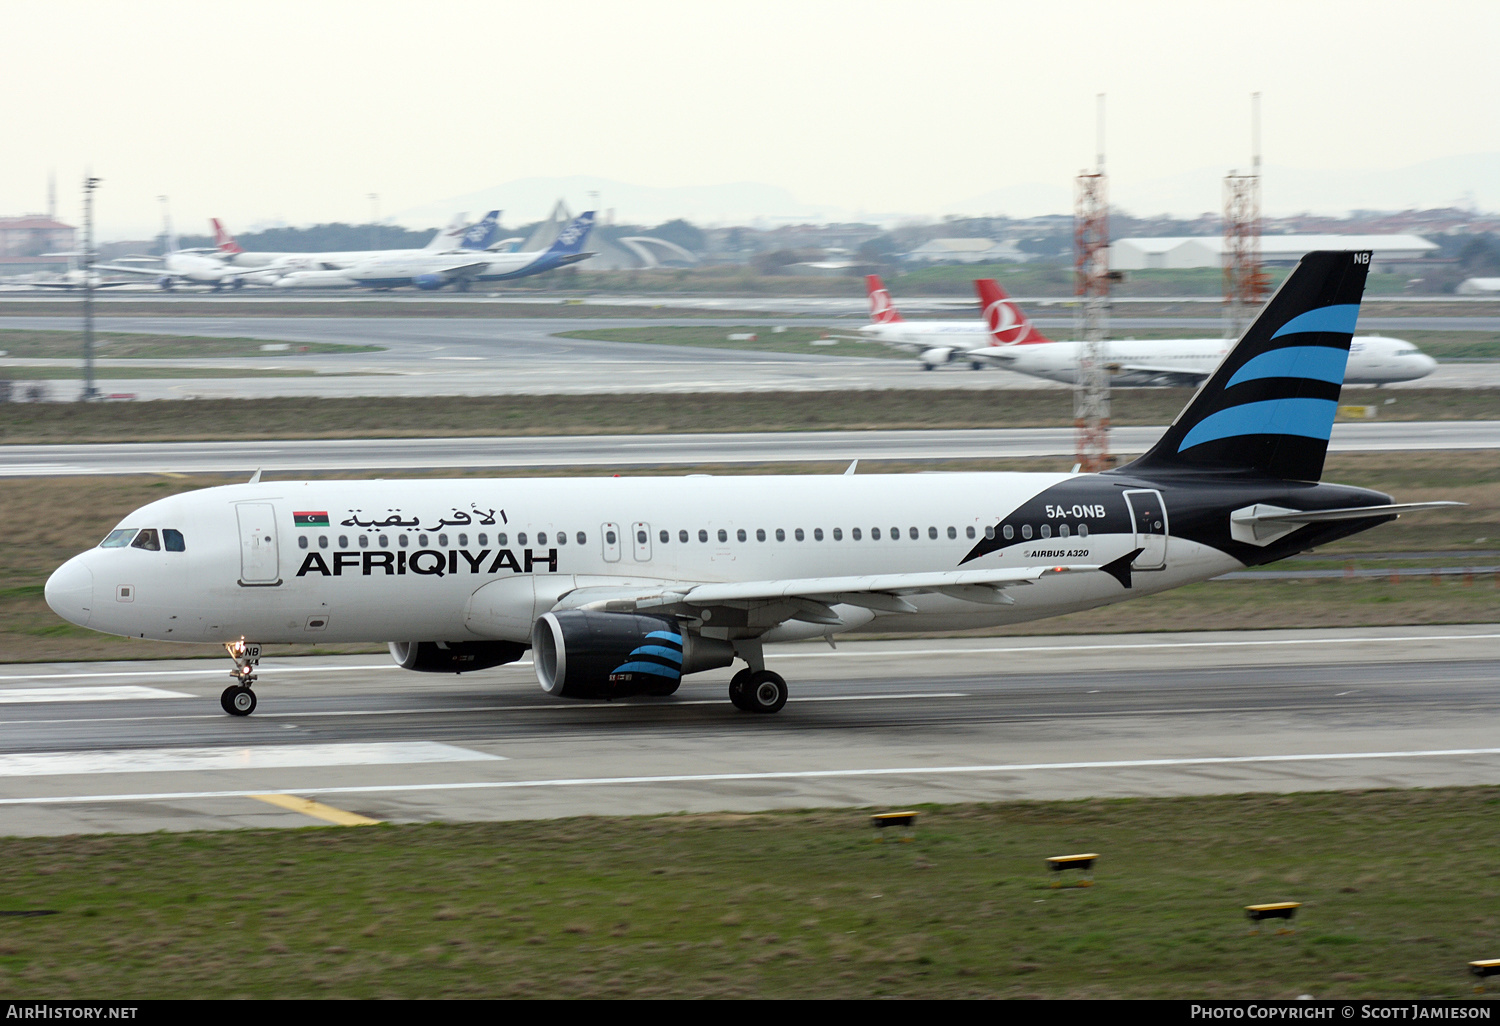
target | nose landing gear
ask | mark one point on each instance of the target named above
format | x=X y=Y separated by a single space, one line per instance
x=238 y=699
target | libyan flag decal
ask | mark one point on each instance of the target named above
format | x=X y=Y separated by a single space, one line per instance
x=318 y=518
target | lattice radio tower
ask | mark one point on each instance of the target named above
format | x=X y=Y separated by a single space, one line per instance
x=1091 y=284
x=1245 y=283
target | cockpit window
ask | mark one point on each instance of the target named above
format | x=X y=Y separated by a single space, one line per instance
x=173 y=540
x=147 y=540
x=118 y=538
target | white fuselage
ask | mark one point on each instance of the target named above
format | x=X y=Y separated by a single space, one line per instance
x=1373 y=360
x=482 y=559
x=960 y=336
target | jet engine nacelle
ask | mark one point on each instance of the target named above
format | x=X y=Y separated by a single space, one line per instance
x=429 y=282
x=581 y=653
x=937 y=356
x=454 y=656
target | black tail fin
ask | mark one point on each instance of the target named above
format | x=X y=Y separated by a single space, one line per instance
x=1269 y=406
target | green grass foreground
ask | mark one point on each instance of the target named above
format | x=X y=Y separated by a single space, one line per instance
x=1398 y=889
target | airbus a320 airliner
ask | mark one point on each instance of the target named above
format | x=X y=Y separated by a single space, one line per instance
x=622 y=586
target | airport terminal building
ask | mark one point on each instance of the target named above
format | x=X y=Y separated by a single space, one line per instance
x=1391 y=253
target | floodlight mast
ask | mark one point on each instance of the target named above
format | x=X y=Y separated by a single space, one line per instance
x=1245 y=284
x=90 y=183
x=1091 y=285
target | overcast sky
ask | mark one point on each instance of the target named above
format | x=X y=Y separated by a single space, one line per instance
x=257 y=109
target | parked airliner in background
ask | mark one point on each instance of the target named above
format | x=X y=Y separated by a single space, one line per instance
x=621 y=586
x=934 y=342
x=432 y=272
x=459 y=237
x=1017 y=345
x=201 y=266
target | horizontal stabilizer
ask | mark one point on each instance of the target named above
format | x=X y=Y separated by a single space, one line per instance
x=1262 y=524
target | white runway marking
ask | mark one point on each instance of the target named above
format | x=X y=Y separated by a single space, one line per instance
x=884 y=653
x=270 y=668
x=85 y=694
x=154 y=760
x=709 y=778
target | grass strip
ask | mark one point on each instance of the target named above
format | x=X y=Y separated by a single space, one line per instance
x=460 y=416
x=1396 y=889
x=117 y=345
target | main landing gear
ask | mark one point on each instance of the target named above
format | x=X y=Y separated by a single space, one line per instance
x=238 y=699
x=757 y=691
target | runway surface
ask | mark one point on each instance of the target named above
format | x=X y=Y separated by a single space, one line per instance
x=87 y=747
x=659 y=450
x=486 y=356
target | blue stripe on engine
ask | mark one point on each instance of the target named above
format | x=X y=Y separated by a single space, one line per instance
x=657 y=650
x=1309 y=418
x=1320 y=363
x=656 y=668
x=675 y=639
x=1339 y=319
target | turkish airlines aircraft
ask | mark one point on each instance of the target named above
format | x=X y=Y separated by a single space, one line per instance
x=934 y=342
x=622 y=586
x=1373 y=359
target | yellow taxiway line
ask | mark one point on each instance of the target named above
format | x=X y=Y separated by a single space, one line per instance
x=317 y=810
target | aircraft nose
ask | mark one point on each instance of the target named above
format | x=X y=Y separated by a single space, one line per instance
x=70 y=591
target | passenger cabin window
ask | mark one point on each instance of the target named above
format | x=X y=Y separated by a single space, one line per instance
x=1025 y=530
x=665 y=537
x=463 y=539
x=521 y=538
x=541 y=537
x=343 y=542
x=702 y=535
x=895 y=534
x=364 y=541
x=1063 y=532
x=797 y=534
x=442 y=541
x=301 y=541
x=682 y=536
x=581 y=538
x=385 y=541
x=323 y=541
x=838 y=534
x=562 y=538
x=854 y=533
x=780 y=534
x=401 y=540
x=817 y=534
x=760 y=534
x=609 y=538
x=740 y=534
x=874 y=534
x=723 y=535
x=118 y=538
x=953 y=533
x=1083 y=530
x=147 y=540
x=969 y=532
x=422 y=540
x=1046 y=530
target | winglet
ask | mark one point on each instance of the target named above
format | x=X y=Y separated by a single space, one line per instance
x=850 y=471
x=255 y=477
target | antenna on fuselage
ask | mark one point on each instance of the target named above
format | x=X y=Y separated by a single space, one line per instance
x=850 y=471
x=255 y=477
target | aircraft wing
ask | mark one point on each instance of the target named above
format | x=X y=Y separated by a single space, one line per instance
x=74 y=285
x=812 y=599
x=154 y=272
x=465 y=270
x=1182 y=374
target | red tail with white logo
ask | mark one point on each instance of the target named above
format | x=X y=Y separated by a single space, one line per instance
x=1008 y=325
x=882 y=310
x=223 y=240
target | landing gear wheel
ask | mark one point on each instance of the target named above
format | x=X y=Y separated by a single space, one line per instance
x=738 y=686
x=765 y=692
x=976 y=365
x=238 y=700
